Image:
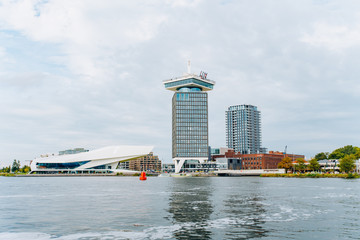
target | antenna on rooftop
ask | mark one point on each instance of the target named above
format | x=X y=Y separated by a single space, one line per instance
x=189 y=67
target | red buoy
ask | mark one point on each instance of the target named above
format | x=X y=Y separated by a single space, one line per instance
x=143 y=176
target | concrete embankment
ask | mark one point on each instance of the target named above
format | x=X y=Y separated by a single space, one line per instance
x=252 y=172
x=84 y=175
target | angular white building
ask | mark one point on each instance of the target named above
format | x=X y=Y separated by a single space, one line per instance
x=103 y=160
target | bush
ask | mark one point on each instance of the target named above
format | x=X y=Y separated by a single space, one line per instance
x=352 y=175
x=7 y=174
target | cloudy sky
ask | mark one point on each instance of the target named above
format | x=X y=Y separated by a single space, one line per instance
x=89 y=73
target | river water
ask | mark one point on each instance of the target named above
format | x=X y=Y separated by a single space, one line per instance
x=178 y=208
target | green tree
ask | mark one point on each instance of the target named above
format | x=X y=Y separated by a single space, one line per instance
x=321 y=156
x=285 y=163
x=347 y=163
x=314 y=165
x=5 y=169
x=300 y=164
x=16 y=166
x=357 y=154
x=25 y=169
x=344 y=151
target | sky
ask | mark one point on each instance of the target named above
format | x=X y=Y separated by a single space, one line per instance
x=89 y=73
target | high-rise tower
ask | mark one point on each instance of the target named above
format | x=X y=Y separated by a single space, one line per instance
x=243 y=132
x=190 y=141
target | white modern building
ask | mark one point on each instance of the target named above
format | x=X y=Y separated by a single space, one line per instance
x=103 y=160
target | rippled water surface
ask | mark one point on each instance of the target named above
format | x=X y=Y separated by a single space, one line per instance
x=178 y=208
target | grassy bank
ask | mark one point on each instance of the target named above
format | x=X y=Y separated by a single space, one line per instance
x=7 y=174
x=311 y=175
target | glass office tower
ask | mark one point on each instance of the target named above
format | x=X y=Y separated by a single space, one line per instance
x=243 y=132
x=190 y=141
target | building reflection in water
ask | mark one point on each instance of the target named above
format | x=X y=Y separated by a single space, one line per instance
x=244 y=207
x=190 y=207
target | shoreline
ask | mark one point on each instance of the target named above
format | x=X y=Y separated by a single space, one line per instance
x=76 y=175
x=272 y=175
x=311 y=175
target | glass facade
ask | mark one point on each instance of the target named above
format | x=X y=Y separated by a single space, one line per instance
x=70 y=165
x=215 y=151
x=189 y=81
x=243 y=129
x=73 y=151
x=190 y=124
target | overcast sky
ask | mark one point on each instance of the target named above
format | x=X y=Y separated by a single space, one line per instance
x=89 y=73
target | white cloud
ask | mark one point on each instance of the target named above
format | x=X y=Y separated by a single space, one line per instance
x=88 y=73
x=90 y=33
x=184 y=3
x=333 y=37
x=82 y=23
x=5 y=60
x=2 y=52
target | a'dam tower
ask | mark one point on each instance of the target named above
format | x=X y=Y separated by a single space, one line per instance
x=190 y=134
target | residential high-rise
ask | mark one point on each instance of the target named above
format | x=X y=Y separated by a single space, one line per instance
x=243 y=132
x=190 y=142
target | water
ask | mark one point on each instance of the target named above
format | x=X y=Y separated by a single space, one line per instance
x=178 y=208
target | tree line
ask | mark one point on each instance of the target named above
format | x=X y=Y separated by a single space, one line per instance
x=340 y=153
x=346 y=156
x=15 y=168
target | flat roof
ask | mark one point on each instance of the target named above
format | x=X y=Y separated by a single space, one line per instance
x=189 y=80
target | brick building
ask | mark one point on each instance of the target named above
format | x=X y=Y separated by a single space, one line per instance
x=149 y=162
x=259 y=161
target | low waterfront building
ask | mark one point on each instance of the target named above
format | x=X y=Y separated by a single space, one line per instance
x=329 y=165
x=191 y=166
x=332 y=165
x=103 y=160
x=258 y=161
x=222 y=163
x=218 y=152
x=168 y=167
x=195 y=166
x=234 y=164
x=150 y=162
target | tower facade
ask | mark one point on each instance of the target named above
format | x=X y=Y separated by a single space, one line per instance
x=190 y=138
x=243 y=131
